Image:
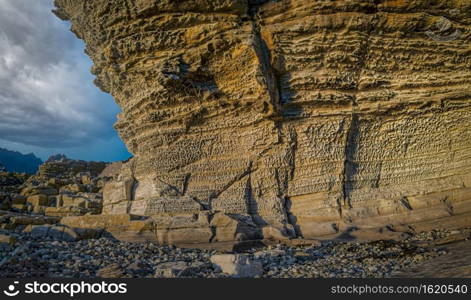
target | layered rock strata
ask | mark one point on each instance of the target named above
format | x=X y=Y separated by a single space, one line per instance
x=289 y=118
x=61 y=187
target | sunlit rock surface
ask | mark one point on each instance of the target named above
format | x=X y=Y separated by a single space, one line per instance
x=272 y=119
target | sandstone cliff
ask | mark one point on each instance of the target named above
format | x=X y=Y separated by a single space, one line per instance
x=251 y=119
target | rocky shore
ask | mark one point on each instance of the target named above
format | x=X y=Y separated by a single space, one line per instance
x=61 y=187
x=26 y=255
x=36 y=240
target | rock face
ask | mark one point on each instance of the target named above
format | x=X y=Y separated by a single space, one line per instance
x=63 y=167
x=56 y=157
x=63 y=187
x=10 y=182
x=307 y=117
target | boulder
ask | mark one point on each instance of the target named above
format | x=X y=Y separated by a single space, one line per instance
x=65 y=211
x=86 y=179
x=38 y=200
x=237 y=265
x=36 y=190
x=173 y=269
x=56 y=232
x=18 y=199
x=5 y=201
x=39 y=209
x=54 y=182
x=269 y=253
x=20 y=207
x=73 y=188
x=30 y=220
x=7 y=240
x=111 y=271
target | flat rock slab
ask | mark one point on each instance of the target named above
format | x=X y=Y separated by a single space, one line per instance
x=237 y=265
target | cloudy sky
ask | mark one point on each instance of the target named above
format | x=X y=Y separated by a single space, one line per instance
x=48 y=103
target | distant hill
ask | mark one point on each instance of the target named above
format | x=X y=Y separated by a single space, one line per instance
x=17 y=162
x=56 y=157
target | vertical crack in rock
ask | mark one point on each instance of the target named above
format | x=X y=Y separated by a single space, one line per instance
x=293 y=144
x=132 y=189
x=291 y=217
x=213 y=234
x=186 y=181
x=269 y=75
x=249 y=196
x=448 y=206
x=350 y=165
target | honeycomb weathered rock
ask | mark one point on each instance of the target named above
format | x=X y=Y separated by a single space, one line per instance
x=312 y=115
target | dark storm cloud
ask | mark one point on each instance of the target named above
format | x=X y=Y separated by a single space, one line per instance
x=46 y=94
